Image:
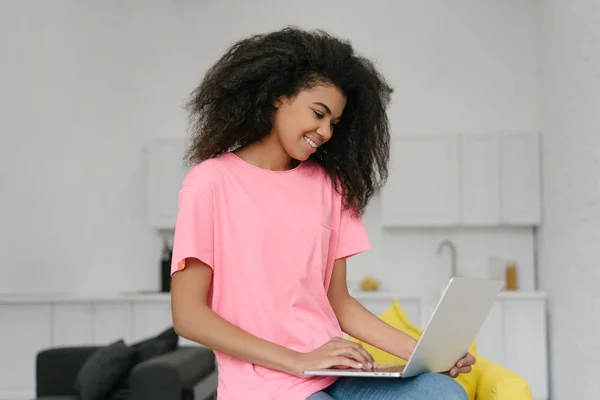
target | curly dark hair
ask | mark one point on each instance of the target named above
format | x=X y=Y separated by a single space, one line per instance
x=233 y=105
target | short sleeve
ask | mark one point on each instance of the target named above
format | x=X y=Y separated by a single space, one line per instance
x=352 y=235
x=194 y=228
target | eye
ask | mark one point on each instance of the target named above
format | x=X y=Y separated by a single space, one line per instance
x=318 y=114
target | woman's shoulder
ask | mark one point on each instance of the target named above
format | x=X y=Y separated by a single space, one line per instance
x=204 y=175
x=317 y=172
x=318 y=175
x=314 y=168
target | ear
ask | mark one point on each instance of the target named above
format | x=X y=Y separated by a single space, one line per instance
x=281 y=100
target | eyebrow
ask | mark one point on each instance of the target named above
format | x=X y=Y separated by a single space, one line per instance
x=323 y=105
x=327 y=110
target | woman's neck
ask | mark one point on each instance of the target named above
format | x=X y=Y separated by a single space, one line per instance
x=267 y=154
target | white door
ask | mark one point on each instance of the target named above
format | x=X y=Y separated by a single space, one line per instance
x=520 y=178
x=480 y=180
x=25 y=329
x=72 y=324
x=112 y=321
x=151 y=317
x=526 y=345
x=490 y=339
x=422 y=188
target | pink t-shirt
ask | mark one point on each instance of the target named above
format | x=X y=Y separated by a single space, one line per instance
x=271 y=239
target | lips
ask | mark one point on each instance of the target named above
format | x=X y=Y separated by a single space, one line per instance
x=311 y=142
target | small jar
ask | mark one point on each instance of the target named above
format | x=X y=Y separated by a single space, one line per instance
x=510 y=279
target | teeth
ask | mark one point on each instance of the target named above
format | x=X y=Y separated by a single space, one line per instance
x=313 y=144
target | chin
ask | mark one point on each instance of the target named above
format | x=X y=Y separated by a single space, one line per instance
x=303 y=158
x=298 y=155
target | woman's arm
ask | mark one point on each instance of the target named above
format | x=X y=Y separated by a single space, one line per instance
x=195 y=321
x=360 y=323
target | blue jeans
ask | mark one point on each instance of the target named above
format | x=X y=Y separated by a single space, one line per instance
x=422 y=387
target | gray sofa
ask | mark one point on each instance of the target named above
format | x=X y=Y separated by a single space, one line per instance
x=187 y=373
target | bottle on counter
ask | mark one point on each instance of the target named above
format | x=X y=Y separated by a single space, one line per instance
x=165 y=267
x=510 y=279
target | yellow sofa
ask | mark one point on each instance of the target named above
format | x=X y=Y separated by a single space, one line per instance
x=487 y=380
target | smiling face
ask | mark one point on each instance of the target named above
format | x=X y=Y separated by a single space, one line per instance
x=305 y=122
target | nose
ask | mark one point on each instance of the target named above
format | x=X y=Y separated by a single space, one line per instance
x=325 y=131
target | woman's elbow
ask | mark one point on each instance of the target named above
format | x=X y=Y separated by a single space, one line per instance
x=179 y=322
x=189 y=289
x=179 y=326
x=187 y=319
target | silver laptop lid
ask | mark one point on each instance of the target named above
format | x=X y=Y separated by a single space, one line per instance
x=454 y=324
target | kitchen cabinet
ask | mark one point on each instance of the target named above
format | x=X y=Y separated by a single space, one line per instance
x=151 y=317
x=91 y=323
x=72 y=324
x=468 y=180
x=480 y=180
x=525 y=344
x=500 y=179
x=520 y=178
x=423 y=184
x=113 y=319
x=513 y=335
x=25 y=327
x=33 y=323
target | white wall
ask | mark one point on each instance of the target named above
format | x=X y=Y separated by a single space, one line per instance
x=86 y=84
x=569 y=240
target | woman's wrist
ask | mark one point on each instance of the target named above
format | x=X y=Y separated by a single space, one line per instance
x=407 y=349
x=294 y=363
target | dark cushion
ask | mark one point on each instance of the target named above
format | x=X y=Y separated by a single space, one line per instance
x=58 y=398
x=56 y=369
x=122 y=392
x=163 y=343
x=103 y=370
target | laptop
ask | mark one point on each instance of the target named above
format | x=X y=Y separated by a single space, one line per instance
x=454 y=324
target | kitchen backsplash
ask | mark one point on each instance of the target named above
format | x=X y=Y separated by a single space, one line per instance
x=408 y=260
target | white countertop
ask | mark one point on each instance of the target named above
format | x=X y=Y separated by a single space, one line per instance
x=162 y=297
x=83 y=297
x=505 y=295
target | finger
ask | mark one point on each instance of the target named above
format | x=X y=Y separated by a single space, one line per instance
x=453 y=372
x=341 y=360
x=366 y=358
x=368 y=355
x=347 y=348
x=352 y=350
x=469 y=359
x=465 y=370
x=354 y=353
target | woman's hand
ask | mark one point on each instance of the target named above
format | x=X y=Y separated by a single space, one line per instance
x=463 y=366
x=336 y=352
